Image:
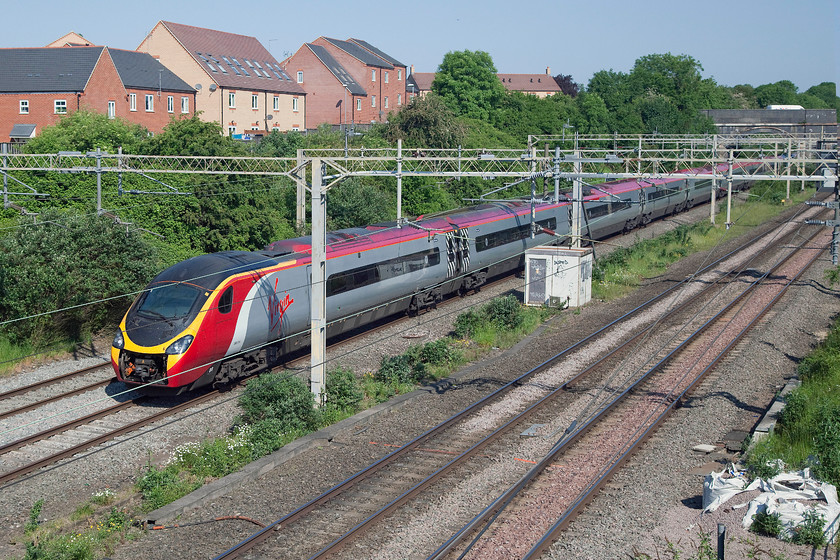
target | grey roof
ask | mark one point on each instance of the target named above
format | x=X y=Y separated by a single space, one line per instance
x=47 y=70
x=141 y=70
x=341 y=74
x=377 y=52
x=22 y=131
x=359 y=53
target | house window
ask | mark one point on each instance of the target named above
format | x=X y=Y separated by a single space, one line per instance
x=385 y=76
x=294 y=104
x=132 y=101
x=170 y=103
x=112 y=109
x=60 y=106
x=373 y=101
x=399 y=74
x=24 y=106
x=300 y=76
x=296 y=128
x=150 y=103
x=255 y=127
x=232 y=100
x=358 y=104
x=255 y=101
x=185 y=104
x=276 y=103
x=399 y=99
x=231 y=130
x=385 y=102
x=373 y=75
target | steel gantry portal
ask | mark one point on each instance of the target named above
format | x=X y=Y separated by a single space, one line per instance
x=578 y=159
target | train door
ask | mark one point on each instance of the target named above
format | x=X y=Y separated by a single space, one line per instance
x=457 y=251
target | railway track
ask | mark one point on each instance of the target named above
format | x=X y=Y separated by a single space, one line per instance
x=338 y=517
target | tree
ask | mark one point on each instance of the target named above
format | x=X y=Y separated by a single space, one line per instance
x=191 y=137
x=84 y=131
x=68 y=261
x=780 y=93
x=567 y=85
x=426 y=122
x=355 y=203
x=468 y=84
x=594 y=116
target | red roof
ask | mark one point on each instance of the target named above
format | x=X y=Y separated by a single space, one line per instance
x=530 y=82
x=240 y=61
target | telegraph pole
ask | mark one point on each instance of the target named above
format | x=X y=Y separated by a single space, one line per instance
x=318 y=284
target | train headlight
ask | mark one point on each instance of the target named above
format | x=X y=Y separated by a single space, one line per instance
x=180 y=346
x=119 y=341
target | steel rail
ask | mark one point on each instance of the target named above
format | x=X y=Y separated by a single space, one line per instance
x=50 y=381
x=54 y=398
x=494 y=509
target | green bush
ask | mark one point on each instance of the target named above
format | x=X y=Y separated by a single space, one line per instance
x=810 y=532
x=278 y=396
x=467 y=323
x=505 y=312
x=767 y=524
x=343 y=391
x=65 y=262
x=794 y=411
x=400 y=369
x=439 y=352
x=267 y=436
x=827 y=442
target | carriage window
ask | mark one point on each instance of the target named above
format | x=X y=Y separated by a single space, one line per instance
x=373 y=273
x=597 y=210
x=226 y=301
x=510 y=235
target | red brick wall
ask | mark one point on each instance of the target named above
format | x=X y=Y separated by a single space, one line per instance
x=324 y=92
x=104 y=85
x=41 y=110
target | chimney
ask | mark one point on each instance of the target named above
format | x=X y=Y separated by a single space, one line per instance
x=412 y=70
x=548 y=70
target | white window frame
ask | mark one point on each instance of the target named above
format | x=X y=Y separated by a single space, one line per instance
x=385 y=76
x=60 y=106
x=132 y=101
x=150 y=103
x=399 y=99
x=231 y=100
x=373 y=101
x=276 y=103
x=185 y=105
x=373 y=74
x=385 y=102
x=300 y=76
x=255 y=101
x=399 y=74
x=295 y=104
x=231 y=130
x=170 y=103
x=359 y=104
x=112 y=109
x=255 y=127
x=24 y=107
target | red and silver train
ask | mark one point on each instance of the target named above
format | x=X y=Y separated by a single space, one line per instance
x=216 y=317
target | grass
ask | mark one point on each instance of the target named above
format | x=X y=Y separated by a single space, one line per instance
x=808 y=430
x=622 y=271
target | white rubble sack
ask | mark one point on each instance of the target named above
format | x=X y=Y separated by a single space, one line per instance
x=783 y=494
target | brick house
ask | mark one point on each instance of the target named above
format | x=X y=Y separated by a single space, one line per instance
x=348 y=82
x=38 y=86
x=540 y=85
x=240 y=85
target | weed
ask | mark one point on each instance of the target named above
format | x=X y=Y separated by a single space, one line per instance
x=767 y=524
x=810 y=532
x=34 y=516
